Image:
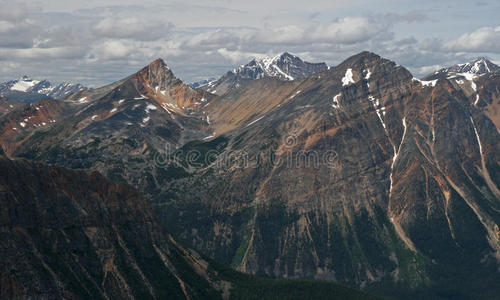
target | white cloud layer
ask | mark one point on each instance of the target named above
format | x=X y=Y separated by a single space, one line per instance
x=347 y=30
x=485 y=39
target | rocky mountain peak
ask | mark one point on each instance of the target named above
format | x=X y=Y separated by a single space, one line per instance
x=159 y=62
x=362 y=58
x=157 y=74
x=286 y=54
x=371 y=67
x=157 y=82
x=158 y=67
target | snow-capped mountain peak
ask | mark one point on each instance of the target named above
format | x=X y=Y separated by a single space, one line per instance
x=271 y=66
x=27 y=89
x=284 y=66
x=479 y=66
x=23 y=84
x=482 y=66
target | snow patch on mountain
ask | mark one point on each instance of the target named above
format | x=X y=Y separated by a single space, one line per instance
x=23 y=84
x=150 y=107
x=347 y=79
x=336 y=103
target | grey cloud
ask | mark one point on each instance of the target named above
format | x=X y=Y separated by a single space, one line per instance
x=180 y=14
x=131 y=28
x=216 y=38
x=313 y=15
x=409 y=17
x=406 y=41
x=17 y=36
x=40 y=53
x=16 y=29
x=349 y=30
x=183 y=8
x=16 y=12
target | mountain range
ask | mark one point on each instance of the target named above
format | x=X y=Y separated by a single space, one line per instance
x=360 y=173
x=25 y=89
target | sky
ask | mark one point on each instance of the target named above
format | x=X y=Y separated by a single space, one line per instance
x=96 y=42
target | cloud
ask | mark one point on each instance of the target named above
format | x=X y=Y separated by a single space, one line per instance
x=347 y=30
x=485 y=39
x=216 y=38
x=131 y=28
x=406 y=41
x=6 y=26
x=183 y=14
x=409 y=17
x=7 y=66
x=288 y=35
x=237 y=56
x=428 y=69
x=16 y=12
x=16 y=29
x=112 y=49
x=39 y=53
x=344 y=31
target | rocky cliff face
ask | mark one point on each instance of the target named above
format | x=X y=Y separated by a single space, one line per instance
x=360 y=174
x=74 y=235
x=69 y=234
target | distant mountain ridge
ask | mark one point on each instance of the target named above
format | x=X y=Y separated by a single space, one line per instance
x=201 y=83
x=25 y=89
x=285 y=67
x=479 y=66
